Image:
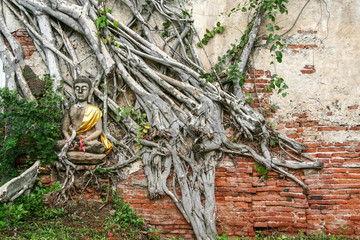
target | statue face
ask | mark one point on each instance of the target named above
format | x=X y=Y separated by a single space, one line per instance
x=82 y=91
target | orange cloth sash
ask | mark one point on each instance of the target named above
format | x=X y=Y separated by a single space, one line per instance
x=91 y=116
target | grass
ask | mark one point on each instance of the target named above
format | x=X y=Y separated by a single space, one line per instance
x=301 y=236
x=28 y=218
x=54 y=230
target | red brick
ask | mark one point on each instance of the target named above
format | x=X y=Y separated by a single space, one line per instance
x=313 y=145
x=331 y=149
x=310 y=46
x=354 y=107
x=307 y=71
x=338 y=128
x=336 y=197
x=293 y=195
x=323 y=155
x=295 y=46
x=260 y=72
x=346 y=155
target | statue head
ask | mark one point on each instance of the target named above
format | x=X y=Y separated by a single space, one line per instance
x=82 y=87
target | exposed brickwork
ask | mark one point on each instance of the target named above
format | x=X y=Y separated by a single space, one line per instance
x=301 y=46
x=255 y=82
x=26 y=42
x=354 y=107
x=245 y=205
x=159 y=213
x=308 y=69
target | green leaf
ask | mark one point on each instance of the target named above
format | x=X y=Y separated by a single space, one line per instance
x=116 y=23
x=278 y=82
x=166 y=24
x=273 y=143
x=205 y=41
x=118 y=118
x=250 y=100
x=270 y=40
x=165 y=34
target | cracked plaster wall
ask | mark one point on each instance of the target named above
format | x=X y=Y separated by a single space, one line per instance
x=324 y=37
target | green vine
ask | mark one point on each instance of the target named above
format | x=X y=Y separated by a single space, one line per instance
x=218 y=29
x=277 y=82
x=101 y=22
x=228 y=64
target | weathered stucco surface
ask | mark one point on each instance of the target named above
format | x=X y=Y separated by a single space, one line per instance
x=330 y=94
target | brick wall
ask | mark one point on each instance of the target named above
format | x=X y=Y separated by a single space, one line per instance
x=26 y=42
x=246 y=205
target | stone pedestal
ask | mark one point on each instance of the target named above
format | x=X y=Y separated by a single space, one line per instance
x=85 y=158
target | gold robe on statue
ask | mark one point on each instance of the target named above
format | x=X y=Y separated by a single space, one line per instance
x=91 y=116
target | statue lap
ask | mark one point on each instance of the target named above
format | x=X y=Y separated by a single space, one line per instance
x=94 y=149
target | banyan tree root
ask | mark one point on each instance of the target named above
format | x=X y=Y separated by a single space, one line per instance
x=69 y=180
x=187 y=136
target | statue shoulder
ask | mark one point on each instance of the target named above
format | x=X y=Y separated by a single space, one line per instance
x=71 y=109
x=90 y=107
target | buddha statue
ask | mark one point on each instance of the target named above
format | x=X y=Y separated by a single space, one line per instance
x=86 y=120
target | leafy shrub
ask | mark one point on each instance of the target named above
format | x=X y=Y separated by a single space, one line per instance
x=124 y=216
x=26 y=207
x=31 y=127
